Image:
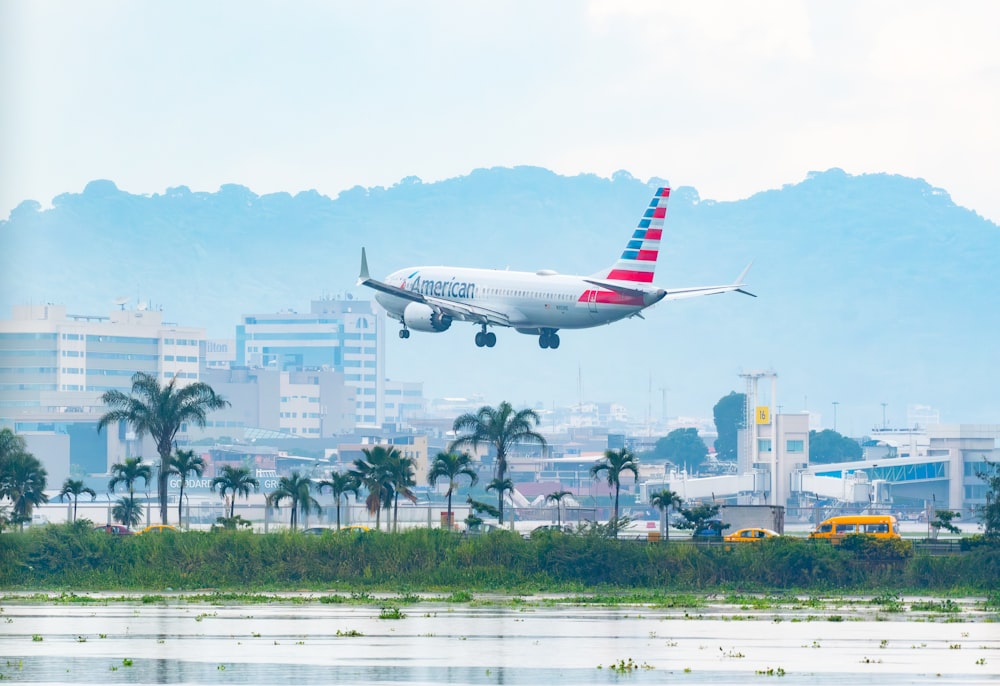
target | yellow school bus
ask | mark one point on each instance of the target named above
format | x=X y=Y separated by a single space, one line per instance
x=835 y=528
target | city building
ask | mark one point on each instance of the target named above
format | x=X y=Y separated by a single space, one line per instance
x=337 y=335
x=306 y=404
x=55 y=366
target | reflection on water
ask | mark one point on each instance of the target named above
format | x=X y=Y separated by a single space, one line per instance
x=437 y=643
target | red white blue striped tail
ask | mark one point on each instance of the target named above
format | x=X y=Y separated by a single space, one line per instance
x=638 y=261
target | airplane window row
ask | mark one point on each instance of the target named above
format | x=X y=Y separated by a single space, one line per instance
x=527 y=294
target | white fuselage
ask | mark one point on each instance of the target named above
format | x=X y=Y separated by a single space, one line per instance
x=531 y=300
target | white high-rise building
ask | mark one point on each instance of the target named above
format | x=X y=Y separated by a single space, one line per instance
x=55 y=366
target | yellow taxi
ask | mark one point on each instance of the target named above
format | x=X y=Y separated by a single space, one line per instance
x=750 y=534
x=158 y=528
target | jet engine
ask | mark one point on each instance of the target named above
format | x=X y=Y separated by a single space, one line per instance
x=423 y=317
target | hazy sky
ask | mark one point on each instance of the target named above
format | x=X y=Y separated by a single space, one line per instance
x=729 y=97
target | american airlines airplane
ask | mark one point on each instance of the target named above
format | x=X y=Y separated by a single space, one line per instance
x=534 y=303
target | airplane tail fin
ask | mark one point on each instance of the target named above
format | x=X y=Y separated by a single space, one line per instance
x=638 y=260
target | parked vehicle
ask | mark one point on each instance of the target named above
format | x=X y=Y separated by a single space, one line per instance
x=158 y=528
x=707 y=534
x=753 y=533
x=114 y=529
x=835 y=528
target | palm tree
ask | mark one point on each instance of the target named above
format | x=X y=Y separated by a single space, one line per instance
x=184 y=462
x=298 y=489
x=340 y=484
x=663 y=500
x=374 y=473
x=451 y=466
x=75 y=488
x=501 y=487
x=127 y=511
x=22 y=479
x=128 y=472
x=500 y=427
x=557 y=497
x=11 y=444
x=18 y=475
x=235 y=480
x=402 y=470
x=616 y=463
x=160 y=411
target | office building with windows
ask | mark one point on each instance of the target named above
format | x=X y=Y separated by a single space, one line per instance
x=271 y=403
x=335 y=335
x=55 y=366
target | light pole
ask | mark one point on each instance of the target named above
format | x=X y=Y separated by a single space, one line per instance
x=835 y=403
x=883 y=415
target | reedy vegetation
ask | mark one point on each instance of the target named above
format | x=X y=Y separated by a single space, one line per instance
x=75 y=557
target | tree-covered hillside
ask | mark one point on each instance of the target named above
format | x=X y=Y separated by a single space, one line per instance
x=872 y=289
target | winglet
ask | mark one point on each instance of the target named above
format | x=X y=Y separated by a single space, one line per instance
x=363 y=276
x=739 y=281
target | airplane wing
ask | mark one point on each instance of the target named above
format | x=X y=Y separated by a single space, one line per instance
x=457 y=310
x=678 y=293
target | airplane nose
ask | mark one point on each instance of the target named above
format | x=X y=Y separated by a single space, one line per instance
x=653 y=297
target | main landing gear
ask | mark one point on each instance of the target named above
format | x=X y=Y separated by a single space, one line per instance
x=404 y=333
x=548 y=339
x=485 y=338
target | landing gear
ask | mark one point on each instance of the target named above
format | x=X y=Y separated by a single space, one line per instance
x=404 y=333
x=486 y=339
x=548 y=339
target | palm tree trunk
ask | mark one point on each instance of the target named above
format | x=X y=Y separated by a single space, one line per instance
x=449 y=509
x=614 y=513
x=338 y=513
x=501 y=472
x=180 y=502
x=162 y=486
x=75 y=501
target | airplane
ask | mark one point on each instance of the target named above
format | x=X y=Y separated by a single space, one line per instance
x=541 y=303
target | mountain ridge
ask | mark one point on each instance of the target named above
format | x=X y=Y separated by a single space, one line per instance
x=872 y=288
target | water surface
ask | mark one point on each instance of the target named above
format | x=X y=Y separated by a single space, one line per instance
x=505 y=643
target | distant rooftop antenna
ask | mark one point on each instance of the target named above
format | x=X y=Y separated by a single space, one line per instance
x=120 y=302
